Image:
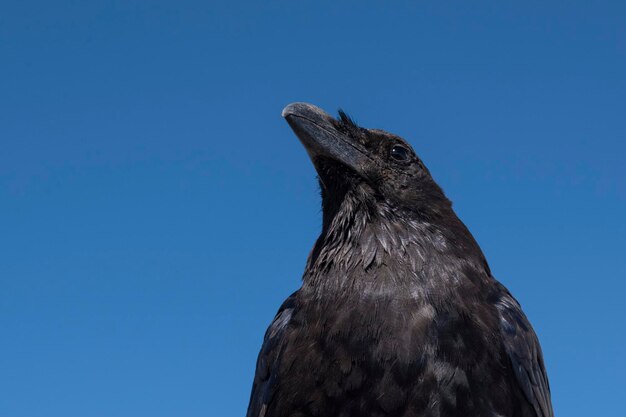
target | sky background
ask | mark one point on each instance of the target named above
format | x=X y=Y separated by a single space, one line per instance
x=155 y=209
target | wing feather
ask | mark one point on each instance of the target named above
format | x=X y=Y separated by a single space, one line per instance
x=265 y=378
x=524 y=351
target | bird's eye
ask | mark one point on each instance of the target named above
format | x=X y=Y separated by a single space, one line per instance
x=399 y=153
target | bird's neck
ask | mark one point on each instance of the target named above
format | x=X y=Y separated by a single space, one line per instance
x=368 y=246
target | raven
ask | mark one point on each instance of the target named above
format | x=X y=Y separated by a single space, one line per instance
x=398 y=313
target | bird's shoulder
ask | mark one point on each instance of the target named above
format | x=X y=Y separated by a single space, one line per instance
x=522 y=347
x=264 y=384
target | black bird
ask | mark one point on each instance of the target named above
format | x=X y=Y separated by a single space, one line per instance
x=398 y=313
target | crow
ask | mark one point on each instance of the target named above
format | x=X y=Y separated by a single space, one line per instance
x=398 y=313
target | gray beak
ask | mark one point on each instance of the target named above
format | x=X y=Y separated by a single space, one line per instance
x=317 y=132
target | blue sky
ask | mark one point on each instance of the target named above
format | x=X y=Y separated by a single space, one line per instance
x=155 y=209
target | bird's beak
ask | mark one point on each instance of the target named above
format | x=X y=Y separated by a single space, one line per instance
x=317 y=132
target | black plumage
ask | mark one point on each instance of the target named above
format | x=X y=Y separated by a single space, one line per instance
x=398 y=313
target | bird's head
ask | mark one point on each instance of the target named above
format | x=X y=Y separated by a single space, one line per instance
x=379 y=168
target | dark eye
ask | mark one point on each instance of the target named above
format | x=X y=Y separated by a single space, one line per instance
x=400 y=153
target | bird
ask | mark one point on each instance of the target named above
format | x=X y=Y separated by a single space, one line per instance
x=398 y=313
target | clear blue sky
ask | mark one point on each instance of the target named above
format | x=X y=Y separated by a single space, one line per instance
x=155 y=209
